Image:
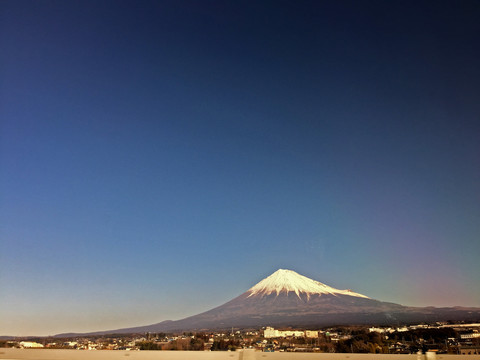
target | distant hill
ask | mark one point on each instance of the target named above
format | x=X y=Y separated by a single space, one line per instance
x=7 y=337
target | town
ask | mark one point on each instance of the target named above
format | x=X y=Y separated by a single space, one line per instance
x=442 y=338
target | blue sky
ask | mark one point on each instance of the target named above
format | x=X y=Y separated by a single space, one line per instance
x=159 y=158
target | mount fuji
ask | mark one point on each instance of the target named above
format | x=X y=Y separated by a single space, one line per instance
x=287 y=298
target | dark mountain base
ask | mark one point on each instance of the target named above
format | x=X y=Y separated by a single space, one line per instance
x=313 y=321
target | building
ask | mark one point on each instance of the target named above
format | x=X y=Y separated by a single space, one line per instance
x=469 y=350
x=29 y=344
x=311 y=334
x=473 y=335
x=270 y=332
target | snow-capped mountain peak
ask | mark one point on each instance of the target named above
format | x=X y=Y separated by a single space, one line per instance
x=290 y=281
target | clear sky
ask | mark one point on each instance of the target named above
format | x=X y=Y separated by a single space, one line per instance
x=159 y=158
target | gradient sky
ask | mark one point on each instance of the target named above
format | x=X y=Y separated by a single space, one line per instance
x=159 y=158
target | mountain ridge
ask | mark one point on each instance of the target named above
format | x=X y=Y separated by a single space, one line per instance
x=286 y=298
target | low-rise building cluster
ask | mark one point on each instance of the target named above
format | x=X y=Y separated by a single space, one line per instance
x=439 y=337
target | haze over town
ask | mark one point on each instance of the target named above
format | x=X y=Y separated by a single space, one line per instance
x=157 y=159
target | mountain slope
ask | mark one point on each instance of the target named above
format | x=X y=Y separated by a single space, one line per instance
x=286 y=298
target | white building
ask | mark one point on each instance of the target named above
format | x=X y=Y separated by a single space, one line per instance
x=270 y=332
x=381 y=330
x=473 y=335
x=29 y=344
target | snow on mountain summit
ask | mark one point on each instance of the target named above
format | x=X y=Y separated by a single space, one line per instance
x=290 y=281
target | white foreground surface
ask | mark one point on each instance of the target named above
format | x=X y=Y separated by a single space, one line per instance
x=47 y=354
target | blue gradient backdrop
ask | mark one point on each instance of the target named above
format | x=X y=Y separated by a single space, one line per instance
x=159 y=158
